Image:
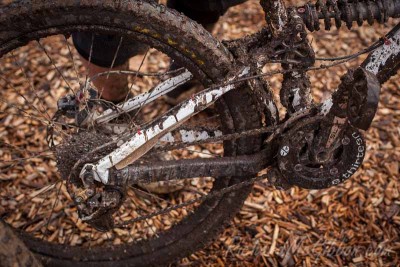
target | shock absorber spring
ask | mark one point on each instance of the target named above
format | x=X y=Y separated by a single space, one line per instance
x=348 y=11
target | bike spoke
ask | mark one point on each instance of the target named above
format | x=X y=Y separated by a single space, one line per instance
x=141 y=214
x=152 y=195
x=55 y=66
x=52 y=210
x=44 y=113
x=46 y=123
x=137 y=73
x=20 y=160
x=115 y=56
x=67 y=239
x=90 y=61
x=23 y=96
x=139 y=101
x=73 y=61
x=144 y=103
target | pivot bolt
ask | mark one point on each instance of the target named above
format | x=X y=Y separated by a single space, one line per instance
x=301 y=10
x=284 y=151
x=298 y=168
x=299 y=27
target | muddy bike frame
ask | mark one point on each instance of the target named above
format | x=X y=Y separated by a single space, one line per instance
x=282 y=23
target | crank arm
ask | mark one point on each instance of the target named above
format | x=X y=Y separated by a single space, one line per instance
x=192 y=168
x=145 y=139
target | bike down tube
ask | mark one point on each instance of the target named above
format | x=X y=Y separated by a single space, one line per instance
x=146 y=138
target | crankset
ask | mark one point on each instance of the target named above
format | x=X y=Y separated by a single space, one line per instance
x=327 y=149
x=303 y=162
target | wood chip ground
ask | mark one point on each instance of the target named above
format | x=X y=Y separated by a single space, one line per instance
x=354 y=224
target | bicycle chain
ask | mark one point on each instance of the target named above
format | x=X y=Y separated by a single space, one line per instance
x=275 y=130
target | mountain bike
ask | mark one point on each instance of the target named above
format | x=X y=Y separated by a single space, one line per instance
x=73 y=167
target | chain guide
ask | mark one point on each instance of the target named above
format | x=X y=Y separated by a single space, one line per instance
x=304 y=163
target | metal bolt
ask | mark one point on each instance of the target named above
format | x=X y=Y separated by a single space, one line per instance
x=299 y=27
x=301 y=10
x=285 y=151
x=298 y=167
x=89 y=192
x=345 y=141
x=78 y=199
x=309 y=137
x=334 y=171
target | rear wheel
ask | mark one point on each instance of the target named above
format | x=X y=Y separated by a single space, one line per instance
x=30 y=181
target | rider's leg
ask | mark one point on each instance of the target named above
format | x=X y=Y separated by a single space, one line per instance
x=102 y=50
x=101 y=53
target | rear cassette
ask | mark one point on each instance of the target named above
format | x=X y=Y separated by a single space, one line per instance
x=305 y=164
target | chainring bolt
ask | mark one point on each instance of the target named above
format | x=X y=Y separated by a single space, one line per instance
x=345 y=141
x=298 y=168
x=78 y=199
x=89 y=192
x=334 y=171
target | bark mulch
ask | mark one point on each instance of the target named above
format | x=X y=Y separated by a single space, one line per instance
x=354 y=224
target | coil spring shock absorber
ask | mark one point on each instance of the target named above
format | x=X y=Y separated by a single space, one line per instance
x=348 y=11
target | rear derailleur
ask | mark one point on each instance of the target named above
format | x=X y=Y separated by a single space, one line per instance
x=326 y=149
x=97 y=202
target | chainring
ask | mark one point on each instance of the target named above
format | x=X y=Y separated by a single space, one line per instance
x=299 y=164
